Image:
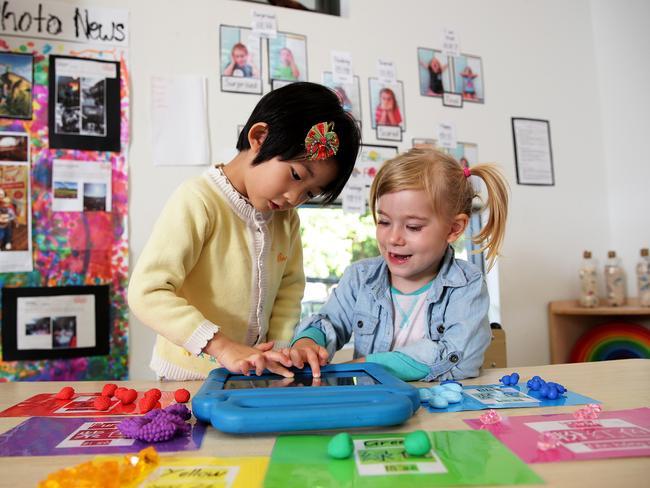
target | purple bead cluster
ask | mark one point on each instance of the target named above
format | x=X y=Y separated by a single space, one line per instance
x=545 y=389
x=158 y=425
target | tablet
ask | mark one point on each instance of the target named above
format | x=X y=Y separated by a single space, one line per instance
x=345 y=396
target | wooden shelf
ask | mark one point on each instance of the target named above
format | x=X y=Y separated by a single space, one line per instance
x=567 y=321
x=572 y=307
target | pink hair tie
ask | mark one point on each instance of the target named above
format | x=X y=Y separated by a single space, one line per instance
x=467 y=172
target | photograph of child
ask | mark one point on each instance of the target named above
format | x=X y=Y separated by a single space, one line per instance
x=240 y=60
x=387 y=104
x=468 y=78
x=16 y=81
x=288 y=58
x=349 y=94
x=64 y=332
x=14 y=231
x=435 y=77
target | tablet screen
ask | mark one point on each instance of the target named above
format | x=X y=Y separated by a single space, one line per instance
x=338 y=378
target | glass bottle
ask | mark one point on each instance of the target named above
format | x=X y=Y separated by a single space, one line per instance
x=643 y=278
x=588 y=281
x=614 y=281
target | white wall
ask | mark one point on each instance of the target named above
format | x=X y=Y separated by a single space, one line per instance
x=538 y=60
x=621 y=39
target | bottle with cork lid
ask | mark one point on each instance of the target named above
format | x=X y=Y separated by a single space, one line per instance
x=614 y=281
x=643 y=278
x=588 y=281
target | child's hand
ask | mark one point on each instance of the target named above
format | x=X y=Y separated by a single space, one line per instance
x=276 y=359
x=238 y=358
x=306 y=350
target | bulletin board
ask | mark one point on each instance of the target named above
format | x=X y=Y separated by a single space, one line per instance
x=76 y=194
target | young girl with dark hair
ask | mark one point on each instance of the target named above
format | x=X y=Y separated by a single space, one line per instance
x=227 y=288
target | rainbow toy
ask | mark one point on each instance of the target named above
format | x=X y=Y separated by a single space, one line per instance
x=616 y=340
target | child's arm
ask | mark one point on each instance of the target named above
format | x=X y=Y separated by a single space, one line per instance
x=333 y=321
x=459 y=352
x=229 y=69
x=286 y=308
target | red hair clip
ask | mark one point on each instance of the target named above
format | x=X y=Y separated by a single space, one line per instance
x=467 y=172
x=321 y=141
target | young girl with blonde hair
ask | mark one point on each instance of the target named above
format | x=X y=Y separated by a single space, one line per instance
x=417 y=310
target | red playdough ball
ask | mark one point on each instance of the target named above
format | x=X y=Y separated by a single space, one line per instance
x=118 y=392
x=153 y=393
x=181 y=395
x=146 y=404
x=65 y=394
x=128 y=396
x=109 y=390
x=102 y=403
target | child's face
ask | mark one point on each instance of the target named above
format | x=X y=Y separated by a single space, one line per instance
x=285 y=56
x=240 y=56
x=412 y=240
x=280 y=185
x=387 y=101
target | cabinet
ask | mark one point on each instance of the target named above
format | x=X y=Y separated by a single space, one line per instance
x=567 y=321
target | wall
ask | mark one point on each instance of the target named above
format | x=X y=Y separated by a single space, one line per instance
x=538 y=61
x=621 y=40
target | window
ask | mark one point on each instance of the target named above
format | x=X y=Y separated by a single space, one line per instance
x=333 y=239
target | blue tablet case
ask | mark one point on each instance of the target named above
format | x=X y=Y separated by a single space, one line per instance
x=352 y=395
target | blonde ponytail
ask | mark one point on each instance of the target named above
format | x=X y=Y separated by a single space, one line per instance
x=491 y=236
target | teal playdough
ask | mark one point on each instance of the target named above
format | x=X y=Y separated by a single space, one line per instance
x=340 y=446
x=417 y=443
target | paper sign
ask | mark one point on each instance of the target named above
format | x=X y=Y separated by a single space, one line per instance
x=386 y=72
x=179 y=120
x=354 y=200
x=46 y=436
x=446 y=132
x=47 y=405
x=456 y=458
x=264 y=24
x=614 y=434
x=79 y=186
x=450 y=43
x=342 y=68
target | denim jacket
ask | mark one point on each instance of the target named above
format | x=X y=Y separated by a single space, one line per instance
x=458 y=331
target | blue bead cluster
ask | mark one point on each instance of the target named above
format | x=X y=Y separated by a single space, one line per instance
x=510 y=379
x=440 y=396
x=545 y=389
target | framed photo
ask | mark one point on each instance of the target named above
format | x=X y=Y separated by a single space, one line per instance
x=349 y=94
x=287 y=58
x=84 y=104
x=434 y=72
x=387 y=109
x=55 y=322
x=16 y=85
x=241 y=61
x=468 y=78
x=533 y=151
